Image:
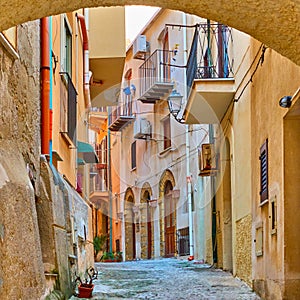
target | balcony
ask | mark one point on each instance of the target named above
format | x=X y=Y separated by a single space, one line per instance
x=120 y=117
x=99 y=194
x=210 y=77
x=155 y=83
x=107 y=53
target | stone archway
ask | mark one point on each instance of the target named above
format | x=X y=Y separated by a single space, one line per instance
x=129 y=216
x=275 y=23
x=166 y=185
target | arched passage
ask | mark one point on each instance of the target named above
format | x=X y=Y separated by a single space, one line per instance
x=274 y=23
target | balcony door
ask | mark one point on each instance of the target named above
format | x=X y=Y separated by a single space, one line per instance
x=166 y=57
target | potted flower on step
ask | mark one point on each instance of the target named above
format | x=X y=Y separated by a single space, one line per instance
x=85 y=289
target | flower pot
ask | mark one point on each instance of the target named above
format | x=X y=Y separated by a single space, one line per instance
x=85 y=290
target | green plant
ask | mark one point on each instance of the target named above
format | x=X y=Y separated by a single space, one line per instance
x=99 y=243
x=119 y=256
x=107 y=256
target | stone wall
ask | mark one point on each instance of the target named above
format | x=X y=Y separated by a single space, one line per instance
x=21 y=267
x=243 y=249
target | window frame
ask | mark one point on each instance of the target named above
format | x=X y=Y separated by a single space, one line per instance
x=133 y=156
x=66 y=47
x=264 y=172
x=166 y=128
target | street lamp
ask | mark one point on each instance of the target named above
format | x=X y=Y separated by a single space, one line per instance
x=175 y=102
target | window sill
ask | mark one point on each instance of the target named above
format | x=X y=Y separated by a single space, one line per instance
x=264 y=203
x=133 y=169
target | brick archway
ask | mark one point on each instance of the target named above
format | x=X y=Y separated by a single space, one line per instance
x=275 y=23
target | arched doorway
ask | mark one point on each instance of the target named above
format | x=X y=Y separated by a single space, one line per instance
x=167 y=208
x=146 y=225
x=130 y=238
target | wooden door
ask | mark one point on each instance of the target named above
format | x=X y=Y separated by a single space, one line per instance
x=166 y=58
x=169 y=226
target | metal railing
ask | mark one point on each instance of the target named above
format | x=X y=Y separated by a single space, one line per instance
x=211 y=53
x=123 y=110
x=98 y=183
x=155 y=69
x=183 y=241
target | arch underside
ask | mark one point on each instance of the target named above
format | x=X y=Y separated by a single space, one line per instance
x=274 y=23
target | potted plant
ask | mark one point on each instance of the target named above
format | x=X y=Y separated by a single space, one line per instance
x=108 y=257
x=85 y=289
x=99 y=245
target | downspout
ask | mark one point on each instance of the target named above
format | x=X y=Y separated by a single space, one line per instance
x=213 y=206
x=45 y=87
x=187 y=150
x=51 y=90
x=86 y=77
x=110 y=191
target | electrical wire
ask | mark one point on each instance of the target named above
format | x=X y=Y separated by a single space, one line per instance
x=261 y=60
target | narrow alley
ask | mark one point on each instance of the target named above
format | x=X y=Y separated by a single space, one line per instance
x=167 y=279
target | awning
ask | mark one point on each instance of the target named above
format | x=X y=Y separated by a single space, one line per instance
x=88 y=153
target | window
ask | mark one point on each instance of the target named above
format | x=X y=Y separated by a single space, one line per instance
x=66 y=47
x=129 y=91
x=273 y=215
x=264 y=171
x=133 y=155
x=167 y=132
x=68 y=108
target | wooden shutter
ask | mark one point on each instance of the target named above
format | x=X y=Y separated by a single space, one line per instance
x=264 y=171
x=167 y=133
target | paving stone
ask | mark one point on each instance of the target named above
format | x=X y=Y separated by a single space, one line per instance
x=172 y=279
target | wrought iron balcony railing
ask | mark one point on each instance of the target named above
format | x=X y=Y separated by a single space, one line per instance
x=211 y=53
x=155 y=77
x=120 y=116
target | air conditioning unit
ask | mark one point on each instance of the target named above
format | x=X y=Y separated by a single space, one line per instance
x=140 y=47
x=142 y=128
x=208 y=160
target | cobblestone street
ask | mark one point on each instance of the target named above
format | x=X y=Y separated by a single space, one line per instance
x=167 y=279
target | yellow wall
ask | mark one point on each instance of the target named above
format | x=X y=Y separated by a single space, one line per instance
x=65 y=150
x=107 y=32
x=274 y=80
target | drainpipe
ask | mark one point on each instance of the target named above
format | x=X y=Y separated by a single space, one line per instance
x=187 y=152
x=110 y=191
x=213 y=205
x=51 y=90
x=45 y=88
x=86 y=77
